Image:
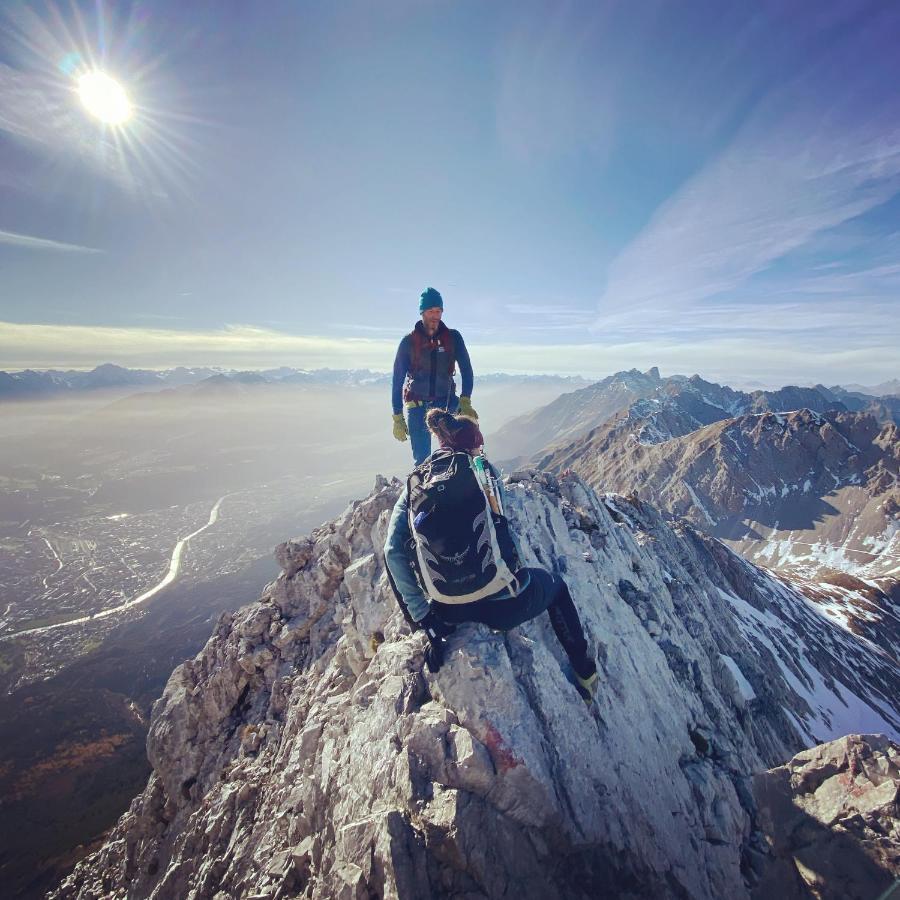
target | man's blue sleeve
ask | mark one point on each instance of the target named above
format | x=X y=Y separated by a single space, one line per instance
x=402 y=362
x=396 y=557
x=465 y=365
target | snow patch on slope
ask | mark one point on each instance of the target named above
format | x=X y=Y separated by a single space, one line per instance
x=745 y=687
x=834 y=709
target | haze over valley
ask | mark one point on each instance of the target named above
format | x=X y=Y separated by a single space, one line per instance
x=128 y=523
x=98 y=493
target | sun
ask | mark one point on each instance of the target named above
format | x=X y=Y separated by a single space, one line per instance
x=104 y=98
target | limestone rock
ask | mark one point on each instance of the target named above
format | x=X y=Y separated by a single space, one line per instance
x=832 y=818
x=306 y=751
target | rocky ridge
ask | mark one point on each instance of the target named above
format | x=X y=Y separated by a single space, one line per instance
x=306 y=752
x=801 y=491
x=572 y=414
x=657 y=409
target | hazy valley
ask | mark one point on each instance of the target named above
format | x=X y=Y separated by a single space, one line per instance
x=128 y=522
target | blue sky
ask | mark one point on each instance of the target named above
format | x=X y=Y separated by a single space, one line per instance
x=707 y=187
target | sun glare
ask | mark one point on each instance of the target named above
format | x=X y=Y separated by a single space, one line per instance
x=104 y=98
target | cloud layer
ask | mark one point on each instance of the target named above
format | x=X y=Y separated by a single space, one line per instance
x=737 y=360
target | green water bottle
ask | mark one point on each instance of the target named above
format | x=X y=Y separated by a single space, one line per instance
x=487 y=483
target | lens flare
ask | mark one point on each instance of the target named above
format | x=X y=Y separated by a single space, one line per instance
x=104 y=98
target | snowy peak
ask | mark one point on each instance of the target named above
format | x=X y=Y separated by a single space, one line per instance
x=681 y=408
x=657 y=409
x=846 y=445
x=803 y=491
x=306 y=751
x=573 y=414
x=793 y=398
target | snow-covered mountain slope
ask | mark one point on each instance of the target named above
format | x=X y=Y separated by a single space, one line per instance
x=307 y=752
x=658 y=409
x=802 y=492
x=677 y=409
x=869 y=608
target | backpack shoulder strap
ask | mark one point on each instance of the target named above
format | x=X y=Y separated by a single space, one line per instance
x=450 y=348
x=416 y=347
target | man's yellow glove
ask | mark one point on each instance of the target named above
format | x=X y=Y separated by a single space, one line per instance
x=401 y=432
x=465 y=408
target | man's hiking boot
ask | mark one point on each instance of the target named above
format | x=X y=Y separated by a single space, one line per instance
x=587 y=687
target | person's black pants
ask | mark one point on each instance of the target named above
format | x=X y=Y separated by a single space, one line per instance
x=543 y=592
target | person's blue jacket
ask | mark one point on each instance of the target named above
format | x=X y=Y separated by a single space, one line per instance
x=398 y=556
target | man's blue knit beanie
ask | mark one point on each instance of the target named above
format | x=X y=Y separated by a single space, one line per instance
x=430 y=298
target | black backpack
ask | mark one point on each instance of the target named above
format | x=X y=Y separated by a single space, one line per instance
x=463 y=549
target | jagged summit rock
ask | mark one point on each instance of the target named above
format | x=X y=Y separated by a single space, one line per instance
x=831 y=818
x=307 y=752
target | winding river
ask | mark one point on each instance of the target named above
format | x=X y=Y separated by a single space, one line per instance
x=171 y=575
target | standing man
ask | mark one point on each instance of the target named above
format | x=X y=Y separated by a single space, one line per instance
x=423 y=375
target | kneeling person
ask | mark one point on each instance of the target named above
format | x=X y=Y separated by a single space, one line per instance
x=447 y=537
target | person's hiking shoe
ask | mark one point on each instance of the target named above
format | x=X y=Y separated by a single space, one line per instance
x=587 y=687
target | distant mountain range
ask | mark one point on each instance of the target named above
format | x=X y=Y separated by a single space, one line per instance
x=30 y=384
x=805 y=481
x=886 y=388
x=657 y=409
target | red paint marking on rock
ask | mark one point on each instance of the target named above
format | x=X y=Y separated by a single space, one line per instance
x=502 y=756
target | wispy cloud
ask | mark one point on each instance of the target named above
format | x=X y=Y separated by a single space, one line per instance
x=541 y=317
x=27 y=110
x=26 y=345
x=557 y=310
x=555 y=94
x=373 y=329
x=813 y=155
x=779 y=319
x=159 y=317
x=29 y=242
